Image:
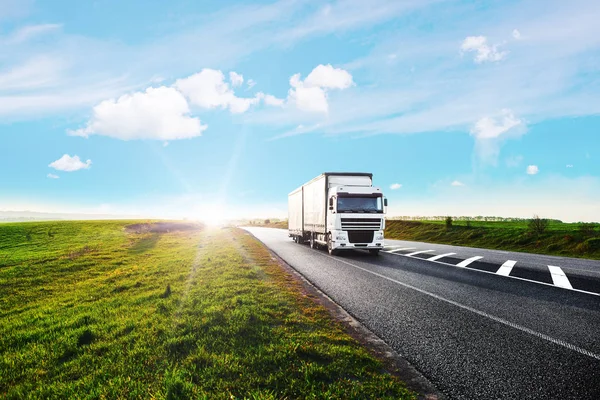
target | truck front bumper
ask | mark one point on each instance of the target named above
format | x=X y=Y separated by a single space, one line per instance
x=340 y=241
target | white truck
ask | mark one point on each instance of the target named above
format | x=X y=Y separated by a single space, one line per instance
x=340 y=210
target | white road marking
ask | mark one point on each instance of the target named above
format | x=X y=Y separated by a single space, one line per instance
x=405 y=248
x=419 y=252
x=506 y=268
x=440 y=256
x=468 y=261
x=539 y=335
x=559 y=278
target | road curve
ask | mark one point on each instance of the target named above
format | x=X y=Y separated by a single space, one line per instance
x=474 y=332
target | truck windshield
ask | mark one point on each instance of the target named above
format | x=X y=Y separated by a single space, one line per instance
x=359 y=204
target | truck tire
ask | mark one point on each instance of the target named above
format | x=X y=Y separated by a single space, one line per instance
x=374 y=252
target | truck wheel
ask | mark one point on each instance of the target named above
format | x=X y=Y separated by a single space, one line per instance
x=374 y=252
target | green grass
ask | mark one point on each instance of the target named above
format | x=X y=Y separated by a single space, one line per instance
x=91 y=310
x=561 y=239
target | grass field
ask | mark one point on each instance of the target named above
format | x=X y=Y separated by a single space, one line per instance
x=94 y=310
x=561 y=239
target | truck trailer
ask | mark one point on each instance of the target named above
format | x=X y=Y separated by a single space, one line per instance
x=340 y=210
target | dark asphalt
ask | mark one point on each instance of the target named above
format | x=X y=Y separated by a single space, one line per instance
x=474 y=335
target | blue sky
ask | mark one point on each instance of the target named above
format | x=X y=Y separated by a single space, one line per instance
x=193 y=109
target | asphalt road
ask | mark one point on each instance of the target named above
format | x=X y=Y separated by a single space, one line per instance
x=529 y=332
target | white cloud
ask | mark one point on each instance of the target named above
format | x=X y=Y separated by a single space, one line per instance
x=395 y=186
x=569 y=165
x=37 y=72
x=328 y=77
x=484 y=52
x=208 y=89
x=312 y=99
x=158 y=113
x=490 y=128
x=532 y=170
x=69 y=164
x=516 y=34
x=236 y=79
x=457 y=183
x=490 y=133
x=250 y=83
x=52 y=176
x=270 y=100
x=311 y=94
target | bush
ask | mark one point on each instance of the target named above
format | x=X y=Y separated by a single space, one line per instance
x=267 y=221
x=587 y=229
x=538 y=225
x=448 y=222
x=582 y=248
x=568 y=238
x=593 y=244
x=553 y=247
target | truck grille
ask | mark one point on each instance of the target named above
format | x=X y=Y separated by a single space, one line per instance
x=360 y=236
x=361 y=223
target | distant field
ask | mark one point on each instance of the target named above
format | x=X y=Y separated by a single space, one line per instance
x=98 y=310
x=561 y=239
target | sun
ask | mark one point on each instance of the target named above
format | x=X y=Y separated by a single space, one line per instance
x=211 y=215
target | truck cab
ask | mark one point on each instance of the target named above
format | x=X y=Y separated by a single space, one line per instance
x=355 y=218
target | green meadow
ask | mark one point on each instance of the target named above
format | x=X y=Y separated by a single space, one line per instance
x=558 y=238
x=167 y=311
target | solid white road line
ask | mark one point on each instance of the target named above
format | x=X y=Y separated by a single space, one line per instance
x=559 y=278
x=440 y=256
x=419 y=252
x=521 y=328
x=405 y=248
x=468 y=261
x=506 y=268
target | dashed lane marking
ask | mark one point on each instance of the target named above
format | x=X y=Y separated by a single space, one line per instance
x=559 y=278
x=402 y=249
x=506 y=268
x=468 y=261
x=418 y=252
x=436 y=258
x=521 y=328
x=440 y=256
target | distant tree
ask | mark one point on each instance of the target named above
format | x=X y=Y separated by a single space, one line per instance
x=448 y=222
x=267 y=221
x=538 y=225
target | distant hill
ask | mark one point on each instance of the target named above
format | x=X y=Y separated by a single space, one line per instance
x=23 y=216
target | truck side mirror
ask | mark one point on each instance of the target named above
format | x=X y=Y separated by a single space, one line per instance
x=385 y=202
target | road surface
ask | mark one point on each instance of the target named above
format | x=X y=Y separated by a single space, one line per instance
x=479 y=324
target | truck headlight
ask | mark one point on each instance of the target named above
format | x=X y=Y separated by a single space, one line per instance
x=379 y=236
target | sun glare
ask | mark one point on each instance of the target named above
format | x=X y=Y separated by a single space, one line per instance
x=211 y=215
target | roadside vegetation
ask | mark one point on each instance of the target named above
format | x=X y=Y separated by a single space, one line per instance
x=269 y=223
x=536 y=235
x=167 y=311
